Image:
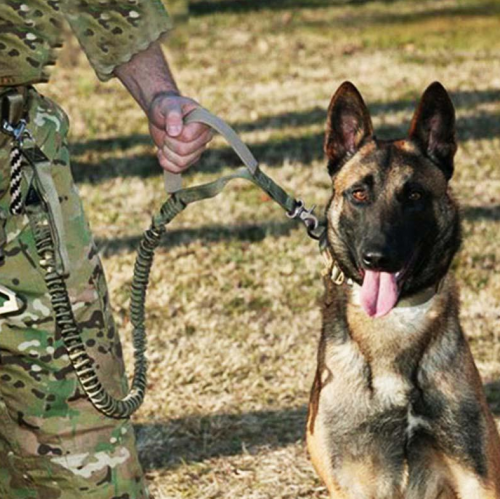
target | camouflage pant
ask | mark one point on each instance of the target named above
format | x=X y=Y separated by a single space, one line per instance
x=53 y=443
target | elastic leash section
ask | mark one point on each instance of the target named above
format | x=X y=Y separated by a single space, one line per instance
x=47 y=244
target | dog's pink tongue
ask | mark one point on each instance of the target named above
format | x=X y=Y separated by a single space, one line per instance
x=379 y=293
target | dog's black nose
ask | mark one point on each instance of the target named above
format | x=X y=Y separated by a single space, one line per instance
x=375 y=259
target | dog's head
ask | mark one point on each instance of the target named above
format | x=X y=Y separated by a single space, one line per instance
x=392 y=225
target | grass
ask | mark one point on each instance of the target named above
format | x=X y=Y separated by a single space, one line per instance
x=233 y=307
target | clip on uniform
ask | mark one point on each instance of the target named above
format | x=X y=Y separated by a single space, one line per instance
x=13 y=105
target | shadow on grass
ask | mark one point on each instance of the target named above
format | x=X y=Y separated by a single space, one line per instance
x=303 y=149
x=475 y=213
x=207 y=7
x=213 y=233
x=314 y=116
x=482 y=8
x=463 y=99
x=492 y=390
x=248 y=232
x=452 y=10
x=196 y=438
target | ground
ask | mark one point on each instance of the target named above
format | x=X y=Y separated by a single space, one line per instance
x=233 y=312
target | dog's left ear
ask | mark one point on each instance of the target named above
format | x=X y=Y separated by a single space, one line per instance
x=348 y=125
x=433 y=127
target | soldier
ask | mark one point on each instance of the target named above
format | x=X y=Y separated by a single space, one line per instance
x=53 y=442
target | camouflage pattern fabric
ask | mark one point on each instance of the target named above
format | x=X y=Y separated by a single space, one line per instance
x=109 y=31
x=53 y=443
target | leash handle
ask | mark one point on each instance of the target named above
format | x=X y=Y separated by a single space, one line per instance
x=173 y=181
x=201 y=115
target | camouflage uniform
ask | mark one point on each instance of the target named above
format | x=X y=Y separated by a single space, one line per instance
x=53 y=443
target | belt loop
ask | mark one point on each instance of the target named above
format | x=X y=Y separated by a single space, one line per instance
x=13 y=103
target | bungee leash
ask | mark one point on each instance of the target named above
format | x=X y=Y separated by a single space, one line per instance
x=49 y=240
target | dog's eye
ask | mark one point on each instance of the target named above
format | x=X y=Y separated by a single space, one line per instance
x=360 y=195
x=414 y=196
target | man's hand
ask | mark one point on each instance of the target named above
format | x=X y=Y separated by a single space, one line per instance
x=179 y=145
x=149 y=80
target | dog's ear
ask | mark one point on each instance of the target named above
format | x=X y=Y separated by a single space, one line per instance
x=433 y=127
x=348 y=125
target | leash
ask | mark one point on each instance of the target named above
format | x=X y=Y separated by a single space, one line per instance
x=48 y=234
x=294 y=208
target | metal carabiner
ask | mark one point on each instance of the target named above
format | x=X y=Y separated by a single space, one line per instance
x=18 y=132
x=305 y=215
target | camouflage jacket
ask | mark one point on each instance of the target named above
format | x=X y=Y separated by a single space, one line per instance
x=109 y=31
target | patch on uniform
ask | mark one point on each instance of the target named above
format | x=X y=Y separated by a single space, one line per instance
x=8 y=301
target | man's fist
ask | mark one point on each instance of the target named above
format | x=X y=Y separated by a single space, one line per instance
x=179 y=146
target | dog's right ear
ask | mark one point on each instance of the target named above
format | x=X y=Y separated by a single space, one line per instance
x=348 y=125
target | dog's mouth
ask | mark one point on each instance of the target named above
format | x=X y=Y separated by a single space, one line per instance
x=380 y=291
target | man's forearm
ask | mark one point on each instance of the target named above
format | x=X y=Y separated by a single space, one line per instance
x=146 y=75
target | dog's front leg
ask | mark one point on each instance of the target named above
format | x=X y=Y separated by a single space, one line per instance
x=350 y=456
x=454 y=417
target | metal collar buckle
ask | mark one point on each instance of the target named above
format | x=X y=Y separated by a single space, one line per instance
x=306 y=216
x=337 y=276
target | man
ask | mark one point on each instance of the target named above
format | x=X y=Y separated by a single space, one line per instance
x=53 y=442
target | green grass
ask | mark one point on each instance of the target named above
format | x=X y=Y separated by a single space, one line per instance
x=233 y=307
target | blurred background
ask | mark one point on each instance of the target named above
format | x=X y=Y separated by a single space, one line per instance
x=233 y=308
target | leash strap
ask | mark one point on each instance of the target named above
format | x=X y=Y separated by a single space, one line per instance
x=173 y=181
x=294 y=208
x=201 y=115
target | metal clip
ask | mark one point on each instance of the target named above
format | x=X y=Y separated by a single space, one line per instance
x=307 y=216
x=18 y=132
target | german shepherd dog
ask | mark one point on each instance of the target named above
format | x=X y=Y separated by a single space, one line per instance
x=397 y=407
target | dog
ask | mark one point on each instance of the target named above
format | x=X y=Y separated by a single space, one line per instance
x=397 y=408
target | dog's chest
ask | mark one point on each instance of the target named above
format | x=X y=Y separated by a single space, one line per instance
x=374 y=370
x=394 y=338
